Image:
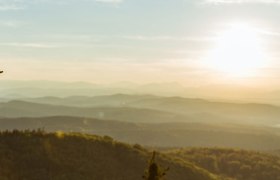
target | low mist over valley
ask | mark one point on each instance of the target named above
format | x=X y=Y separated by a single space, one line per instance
x=150 y=120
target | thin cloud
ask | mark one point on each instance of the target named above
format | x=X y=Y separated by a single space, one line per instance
x=8 y=7
x=10 y=24
x=32 y=45
x=241 y=1
x=110 y=1
x=167 y=38
x=270 y=33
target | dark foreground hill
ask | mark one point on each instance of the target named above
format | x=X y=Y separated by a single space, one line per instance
x=39 y=155
x=232 y=163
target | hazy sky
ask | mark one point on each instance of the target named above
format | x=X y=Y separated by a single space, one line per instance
x=140 y=40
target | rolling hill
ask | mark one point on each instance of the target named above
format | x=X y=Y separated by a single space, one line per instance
x=158 y=134
x=232 y=163
x=38 y=155
x=130 y=114
x=195 y=109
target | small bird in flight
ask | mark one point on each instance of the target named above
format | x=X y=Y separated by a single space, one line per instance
x=1 y=72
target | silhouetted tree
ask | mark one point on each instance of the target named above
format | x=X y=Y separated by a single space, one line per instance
x=154 y=171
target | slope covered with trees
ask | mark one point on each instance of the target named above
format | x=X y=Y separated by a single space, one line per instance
x=37 y=155
x=232 y=163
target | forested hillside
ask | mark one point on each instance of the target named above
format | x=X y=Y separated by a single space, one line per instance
x=232 y=163
x=37 y=155
x=158 y=134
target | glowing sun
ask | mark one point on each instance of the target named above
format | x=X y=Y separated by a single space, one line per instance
x=238 y=51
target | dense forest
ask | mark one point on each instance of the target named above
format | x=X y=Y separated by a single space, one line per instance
x=232 y=163
x=41 y=155
x=34 y=155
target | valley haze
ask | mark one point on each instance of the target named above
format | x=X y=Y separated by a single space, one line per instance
x=11 y=89
x=121 y=111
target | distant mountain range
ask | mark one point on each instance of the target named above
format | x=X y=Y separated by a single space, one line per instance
x=129 y=114
x=146 y=108
x=21 y=89
x=26 y=89
x=195 y=136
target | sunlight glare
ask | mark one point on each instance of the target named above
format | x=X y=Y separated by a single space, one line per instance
x=238 y=51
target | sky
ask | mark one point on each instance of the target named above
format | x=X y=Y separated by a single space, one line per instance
x=193 y=42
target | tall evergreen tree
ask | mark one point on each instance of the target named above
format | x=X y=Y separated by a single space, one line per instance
x=154 y=171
